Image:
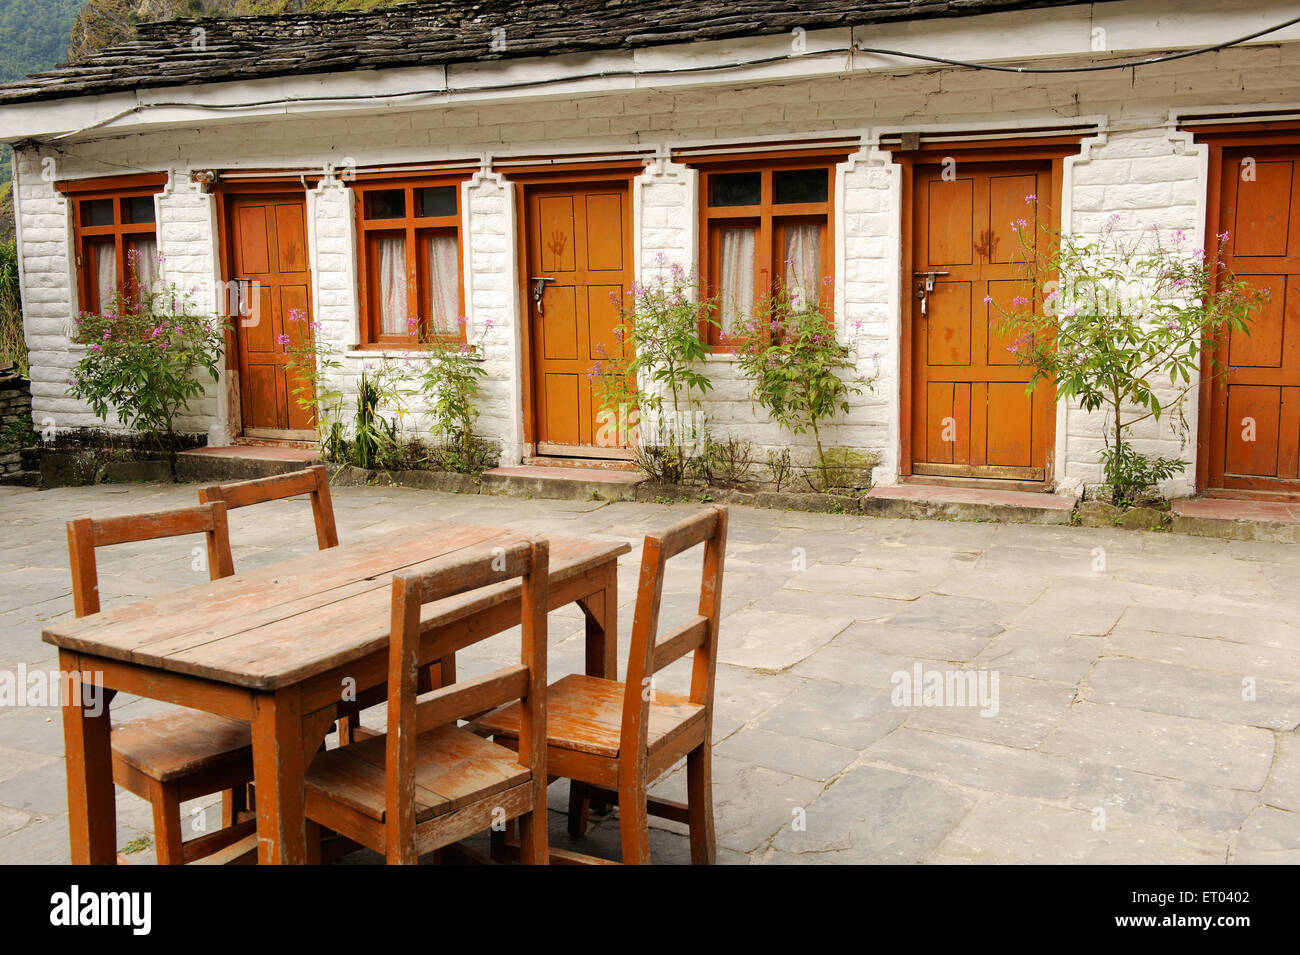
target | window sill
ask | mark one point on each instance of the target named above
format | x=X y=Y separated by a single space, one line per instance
x=382 y=351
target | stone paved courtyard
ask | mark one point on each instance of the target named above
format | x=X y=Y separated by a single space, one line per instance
x=1148 y=684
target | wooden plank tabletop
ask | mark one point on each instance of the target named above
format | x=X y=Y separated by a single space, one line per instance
x=280 y=624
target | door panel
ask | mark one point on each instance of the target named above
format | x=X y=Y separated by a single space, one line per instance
x=1254 y=421
x=579 y=240
x=269 y=258
x=971 y=416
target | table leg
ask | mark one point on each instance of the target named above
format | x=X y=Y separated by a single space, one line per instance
x=601 y=611
x=92 y=806
x=278 y=766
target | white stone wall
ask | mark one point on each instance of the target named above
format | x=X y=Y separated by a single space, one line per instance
x=1130 y=183
x=190 y=260
x=1138 y=168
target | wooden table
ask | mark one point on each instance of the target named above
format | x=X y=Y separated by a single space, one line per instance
x=278 y=646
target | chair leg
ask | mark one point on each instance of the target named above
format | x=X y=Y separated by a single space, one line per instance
x=165 y=799
x=579 y=807
x=447 y=670
x=634 y=825
x=699 y=803
x=532 y=839
x=315 y=836
x=233 y=802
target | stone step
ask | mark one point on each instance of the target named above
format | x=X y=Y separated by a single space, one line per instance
x=582 y=464
x=564 y=484
x=241 y=462
x=931 y=502
x=21 y=479
x=1238 y=520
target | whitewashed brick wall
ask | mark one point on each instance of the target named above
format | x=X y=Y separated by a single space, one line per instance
x=492 y=300
x=49 y=297
x=1130 y=183
x=187 y=244
x=1139 y=169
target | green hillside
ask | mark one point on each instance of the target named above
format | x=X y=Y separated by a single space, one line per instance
x=34 y=35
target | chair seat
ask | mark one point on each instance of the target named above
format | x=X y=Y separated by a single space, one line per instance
x=452 y=768
x=179 y=743
x=585 y=714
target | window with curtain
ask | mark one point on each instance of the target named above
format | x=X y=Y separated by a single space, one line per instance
x=768 y=228
x=411 y=261
x=115 y=228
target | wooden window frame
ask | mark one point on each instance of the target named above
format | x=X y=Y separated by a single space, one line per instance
x=117 y=190
x=771 y=219
x=415 y=229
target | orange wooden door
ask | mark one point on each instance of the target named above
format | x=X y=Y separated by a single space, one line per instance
x=269 y=258
x=1255 y=405
x=971 y=417
x=579 y=245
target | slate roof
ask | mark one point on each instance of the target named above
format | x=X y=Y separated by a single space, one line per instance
x=432 y=32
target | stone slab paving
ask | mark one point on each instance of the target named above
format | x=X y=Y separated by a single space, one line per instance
x=1084 y=695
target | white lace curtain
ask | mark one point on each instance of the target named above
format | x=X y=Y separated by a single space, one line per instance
x=393 y=311
x=736 y=278
x=444 y=285
x=803 y=259
x=104 y=256
x=146 y=262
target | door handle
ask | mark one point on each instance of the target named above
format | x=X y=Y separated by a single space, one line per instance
x=539 y=286
x=925 y=287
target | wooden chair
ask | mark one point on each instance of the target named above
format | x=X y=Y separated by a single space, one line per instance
x=180 y=754
x=429 y=782
x=313 y=481
x=613 y=744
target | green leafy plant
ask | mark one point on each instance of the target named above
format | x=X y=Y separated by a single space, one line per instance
x=650 y=387
x=1107 y=321
x=313 y=371
x=146 y=357
x=800 y=372
x=17 y=434
x=380 y=409
x=448 y=380
x=13 y=346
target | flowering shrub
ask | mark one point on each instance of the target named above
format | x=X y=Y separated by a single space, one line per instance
x=1114 y=317
x=312 y=371
x=146 y=357
x=649 y=388
x=802 y=374
x=448 y=380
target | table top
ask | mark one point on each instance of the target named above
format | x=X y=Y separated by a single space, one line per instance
x=283 y=623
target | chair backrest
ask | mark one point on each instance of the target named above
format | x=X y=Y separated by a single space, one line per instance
x=314 y=481
x=526 y=682
x=87 y=533
x=648 y=653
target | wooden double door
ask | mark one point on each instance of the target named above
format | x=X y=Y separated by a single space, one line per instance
x=1254 y=421
x=579 y=262
x=971 y=416
x=268 y=260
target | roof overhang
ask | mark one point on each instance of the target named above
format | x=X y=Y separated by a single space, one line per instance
x=1123 y=30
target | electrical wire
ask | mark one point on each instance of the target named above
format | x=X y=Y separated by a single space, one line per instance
x=1095 y=68
x=673 y=71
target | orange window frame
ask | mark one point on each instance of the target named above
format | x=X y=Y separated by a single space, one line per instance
x=770 y=220
x=118 y=191
x=416 y=231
